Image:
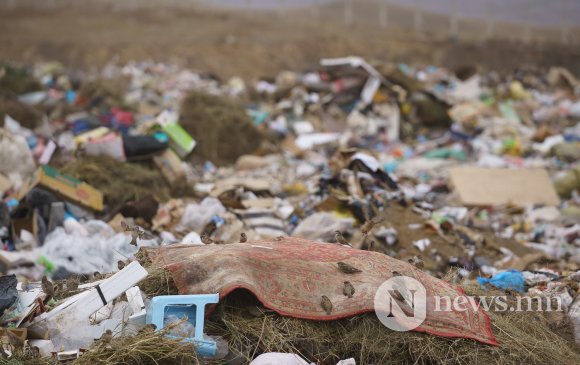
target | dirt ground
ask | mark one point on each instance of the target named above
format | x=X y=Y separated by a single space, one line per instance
x=227 y=44
x=403 y=219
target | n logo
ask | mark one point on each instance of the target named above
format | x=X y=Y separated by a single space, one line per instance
x=400 y=303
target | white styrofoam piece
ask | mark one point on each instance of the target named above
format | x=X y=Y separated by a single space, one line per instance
x=135 y=322
x=121 y=311
x=95 y=332
x=135 y=299
x=72 y=317
x=101 y=314
x=44 y=346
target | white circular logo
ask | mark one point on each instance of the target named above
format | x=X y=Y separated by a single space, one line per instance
x=401 y=303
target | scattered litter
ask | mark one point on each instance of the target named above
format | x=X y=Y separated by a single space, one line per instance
x=255 y=215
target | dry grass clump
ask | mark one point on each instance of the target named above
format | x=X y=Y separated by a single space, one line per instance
x=19 y=358
x=15 y=80
x=106 y=93
x=145 y=348
x=27 y=116
x=120 y=182
x=158 y=282
x=221 y=127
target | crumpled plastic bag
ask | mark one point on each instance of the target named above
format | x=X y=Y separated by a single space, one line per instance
x=192 y=238
x=16 y=160
x=99 y=250
x=510 y=279
x=196 y=216
x=280 y=358
x=8 y=292
x=321 y=226
x=180 y=328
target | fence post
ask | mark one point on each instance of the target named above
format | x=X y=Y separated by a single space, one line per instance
x=348 y=15
x=454 y=19
x=281 y=8
x=527 y=25
x=315 y=9
x=563 y=25
x=417 y=17
x=490 y=21
x=383 y=14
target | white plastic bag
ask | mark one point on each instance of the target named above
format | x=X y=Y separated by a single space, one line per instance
x=196 y=216
x=321 y=226
x=99 y=250
x=278 y=358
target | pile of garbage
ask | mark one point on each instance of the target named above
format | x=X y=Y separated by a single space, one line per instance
x=463 y=171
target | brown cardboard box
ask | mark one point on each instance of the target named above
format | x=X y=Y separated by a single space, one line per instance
x=65 y=186
x=18 y=334
x=29 y=223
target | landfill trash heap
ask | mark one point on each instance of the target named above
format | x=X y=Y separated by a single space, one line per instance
x=155 y=214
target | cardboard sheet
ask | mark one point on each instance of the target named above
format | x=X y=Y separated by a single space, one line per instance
x=171 y=166
x=482 y=186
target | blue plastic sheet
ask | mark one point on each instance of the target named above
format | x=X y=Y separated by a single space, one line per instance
x=510 y=279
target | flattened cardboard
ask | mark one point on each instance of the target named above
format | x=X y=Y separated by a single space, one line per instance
x=115 y=223
x=13 y=259
x=17 y=333
x=92 y=134
x=259 y=203
x=251 y=184
x=65 y=186
x=171 y=166
x=466 y=111
x=482 y=186
x=29 y=223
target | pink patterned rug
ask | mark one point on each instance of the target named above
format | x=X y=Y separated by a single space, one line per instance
x=290 y=276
